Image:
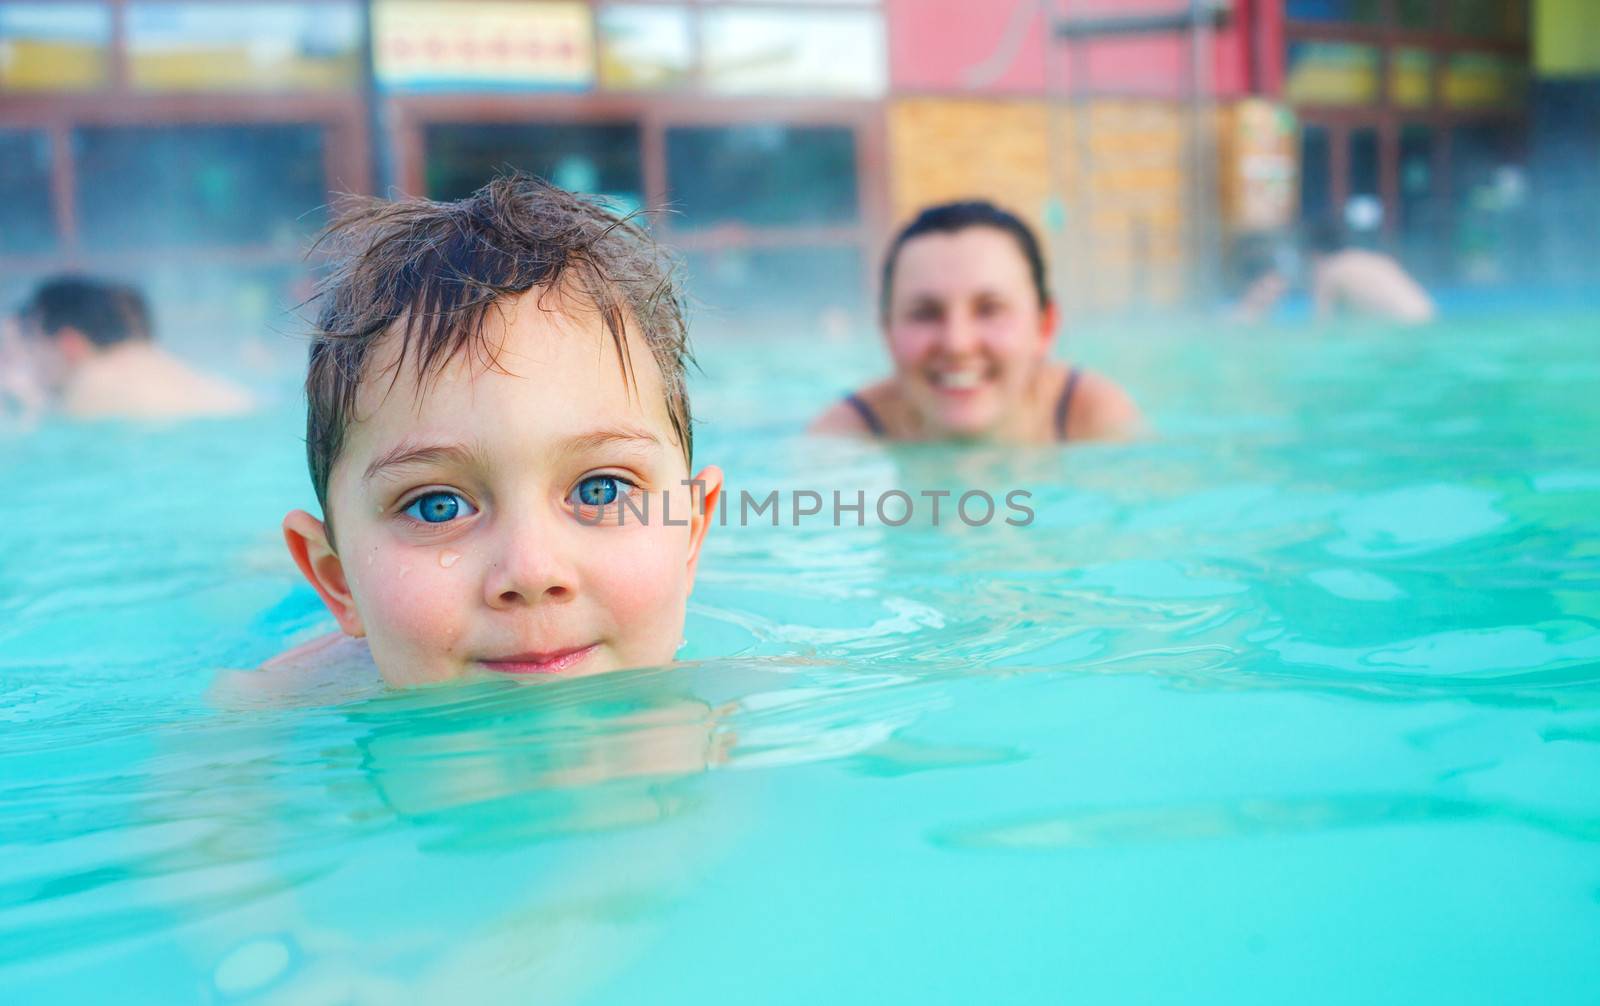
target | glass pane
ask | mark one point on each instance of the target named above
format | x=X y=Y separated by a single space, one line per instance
x=1358 y=11
x=813 y=290
x=1490 y=18
x=762 y=175
x=244 y=46
x=1411 y=77
x=643 y=48
x=1476 y=151
x=139 y=186
x=748 y=51
x=1364 y=162
x=1316 y=175
x=1414 y=13
x=430 y=45
x=1332 y=73
x=25 y=221
x=597 y=159
x=1483 y=80
x=1419 y=218
x=1486 y=186
x=54 y=46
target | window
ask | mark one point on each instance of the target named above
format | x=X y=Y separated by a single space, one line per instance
x=1354 y=11
x=1414 y=13
x=598 y=159
x=1477 y=151
x=644 y=47
x=54 y=46
x=1316 y=175
x=762 y=175
x=248 y=46
x=1419 y=212
x=199 y=185
x=754 y=51
x=1364 y=162
x=1489 y=18
x=25 y=222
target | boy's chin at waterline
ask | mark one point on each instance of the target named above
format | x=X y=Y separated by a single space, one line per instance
x=578 y=661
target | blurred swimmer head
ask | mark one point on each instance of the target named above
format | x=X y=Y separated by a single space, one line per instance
x=69 y=319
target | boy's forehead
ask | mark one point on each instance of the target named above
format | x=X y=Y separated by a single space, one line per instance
x=555 y=350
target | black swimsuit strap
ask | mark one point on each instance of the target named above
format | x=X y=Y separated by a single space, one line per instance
x=1064 y=403
x=865 y=412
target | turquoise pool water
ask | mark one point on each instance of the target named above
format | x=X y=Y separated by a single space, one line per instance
x=1298 y=702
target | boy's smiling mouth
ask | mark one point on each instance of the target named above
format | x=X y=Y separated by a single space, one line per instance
x=545 y=662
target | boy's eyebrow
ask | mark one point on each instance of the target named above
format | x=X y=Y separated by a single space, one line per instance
x=411 y=453
x=408 y=453
x=624 y=435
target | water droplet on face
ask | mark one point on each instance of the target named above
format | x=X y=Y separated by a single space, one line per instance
x=448 y=558
x=403 y=571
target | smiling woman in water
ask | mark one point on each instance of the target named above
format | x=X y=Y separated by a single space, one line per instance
x=970 y=323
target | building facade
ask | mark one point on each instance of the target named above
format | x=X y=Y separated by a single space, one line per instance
x=176 y=139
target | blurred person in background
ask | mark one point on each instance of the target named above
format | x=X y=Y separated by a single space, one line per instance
x=1344 y=280
x=22 y=396
x=970 y=324
x=85 y=347
x=1266 y=271
x=1361 y=282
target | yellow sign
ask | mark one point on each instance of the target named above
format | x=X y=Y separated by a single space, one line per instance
x=1566 y=38
x=54 y=47
x=1411 y=78
x=480 y=45
x=1332 y=73
x=244 y=46
x=1482 y=80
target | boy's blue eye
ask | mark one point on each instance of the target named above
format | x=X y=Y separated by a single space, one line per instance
x=597 y=490
x=439 y=508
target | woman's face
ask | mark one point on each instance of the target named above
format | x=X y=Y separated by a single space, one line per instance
x=966 y=330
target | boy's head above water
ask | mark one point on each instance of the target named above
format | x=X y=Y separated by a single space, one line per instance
x=488 y=381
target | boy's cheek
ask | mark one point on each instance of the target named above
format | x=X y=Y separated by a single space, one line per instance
x=404 y=600
x=645 y=589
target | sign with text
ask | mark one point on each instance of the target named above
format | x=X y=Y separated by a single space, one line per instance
x=475 y=45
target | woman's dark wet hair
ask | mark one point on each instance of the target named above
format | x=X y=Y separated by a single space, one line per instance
x=948 y=218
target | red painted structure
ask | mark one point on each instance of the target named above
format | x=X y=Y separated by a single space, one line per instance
x=1001 y=48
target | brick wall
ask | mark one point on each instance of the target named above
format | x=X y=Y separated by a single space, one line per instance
x=1116 y=230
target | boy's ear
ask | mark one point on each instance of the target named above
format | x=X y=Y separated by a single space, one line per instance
x=706 y=492
x=308 y=543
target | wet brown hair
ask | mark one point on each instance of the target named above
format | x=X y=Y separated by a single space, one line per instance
x=428 y=273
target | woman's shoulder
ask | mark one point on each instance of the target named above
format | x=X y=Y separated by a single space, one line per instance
x=856 y=414
x=1098 y=407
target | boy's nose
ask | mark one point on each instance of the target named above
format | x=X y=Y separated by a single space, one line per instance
x=526 y=570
